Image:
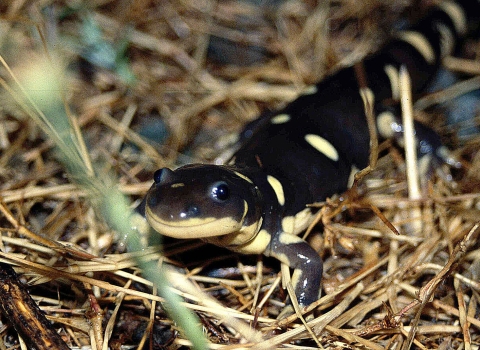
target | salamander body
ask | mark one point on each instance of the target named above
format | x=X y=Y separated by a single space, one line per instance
x=304 y=153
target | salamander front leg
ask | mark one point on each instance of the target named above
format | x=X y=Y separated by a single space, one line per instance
x=304 y=260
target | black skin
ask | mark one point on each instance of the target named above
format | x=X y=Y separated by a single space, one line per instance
x=335 y=112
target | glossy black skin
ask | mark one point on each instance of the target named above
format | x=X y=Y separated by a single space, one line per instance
x=336 y=113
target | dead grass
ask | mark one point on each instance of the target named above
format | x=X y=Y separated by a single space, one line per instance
x=382 y=289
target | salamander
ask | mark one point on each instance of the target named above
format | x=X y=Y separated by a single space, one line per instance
x=304 y=153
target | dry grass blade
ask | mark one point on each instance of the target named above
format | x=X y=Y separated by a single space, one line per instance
x=44 y=95
x=386 y=284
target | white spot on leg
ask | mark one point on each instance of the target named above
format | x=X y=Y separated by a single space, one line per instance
x=287 y=238
x=280 y=119
x=322 y=145
x=298 y=223
x=420 y=43
x=288 y=224
x=278 y=188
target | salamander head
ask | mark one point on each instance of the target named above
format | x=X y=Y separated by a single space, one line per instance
x=214 y=203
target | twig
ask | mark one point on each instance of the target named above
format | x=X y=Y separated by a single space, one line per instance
x=26 y=317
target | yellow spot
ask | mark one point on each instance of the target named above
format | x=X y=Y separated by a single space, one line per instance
x=298 y=223
x=278 y=188
x=419 y=42
x=240 y=175
x=237 y=240
x=280 y=119
x=257 y=246
x=178 y=184
x=287 y=238
x=384 y=124
x=288 y=224
x=456 y=14
x=310 y=90
x=322 y=145
x=392 y=74
x=302 y=220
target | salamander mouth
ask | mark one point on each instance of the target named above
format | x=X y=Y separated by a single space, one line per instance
x=194 y=227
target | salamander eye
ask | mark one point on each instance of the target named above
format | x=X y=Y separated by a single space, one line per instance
x=157 y=175
x=162 y=176
x=220 y=191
